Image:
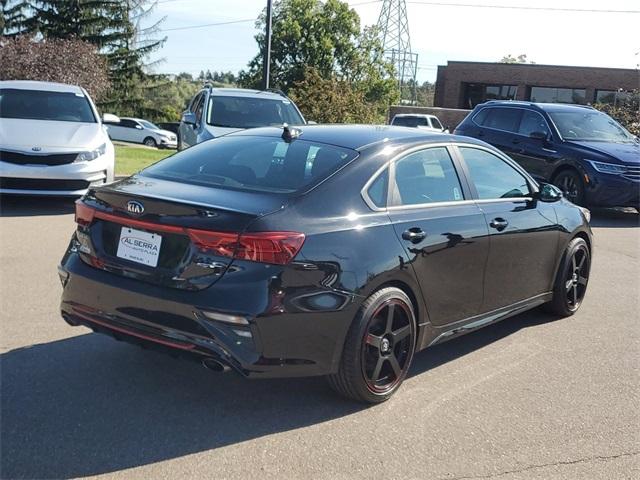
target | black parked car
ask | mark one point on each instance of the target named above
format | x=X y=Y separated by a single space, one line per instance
x=330 y=250
x=586 y=153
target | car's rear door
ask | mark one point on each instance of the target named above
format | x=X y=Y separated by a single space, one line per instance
x=499 y=127
x=443 y=231
x=523 y=232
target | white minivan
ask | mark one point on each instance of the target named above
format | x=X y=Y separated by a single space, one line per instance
x=52 y=140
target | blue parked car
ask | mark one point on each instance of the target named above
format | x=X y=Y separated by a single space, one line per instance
x=588 y=155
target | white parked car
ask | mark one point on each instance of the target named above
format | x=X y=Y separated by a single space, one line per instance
x=137 y=130
x=52 y=140
x=418 y=120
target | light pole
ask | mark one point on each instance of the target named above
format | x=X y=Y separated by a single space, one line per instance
x=266 y=61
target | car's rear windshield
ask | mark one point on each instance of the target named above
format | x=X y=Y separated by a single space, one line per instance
x=254 y=163
x=43 y=105
x=410 y=121
x=250 y=112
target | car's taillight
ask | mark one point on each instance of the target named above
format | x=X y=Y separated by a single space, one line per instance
x=220 y=243
x=265 y=247
x=84 y=214
x=269 y=247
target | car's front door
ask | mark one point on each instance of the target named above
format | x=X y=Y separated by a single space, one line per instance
x=536 y=154
x=523 y=232
x=443 y=232
x=188 y=133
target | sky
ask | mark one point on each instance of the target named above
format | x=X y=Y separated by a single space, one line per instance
x=440 y=32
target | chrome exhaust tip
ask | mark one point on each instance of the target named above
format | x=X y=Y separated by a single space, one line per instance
x=215 y=366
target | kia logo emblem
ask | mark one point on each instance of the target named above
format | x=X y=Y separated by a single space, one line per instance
x=135 y=208
x=36 y=149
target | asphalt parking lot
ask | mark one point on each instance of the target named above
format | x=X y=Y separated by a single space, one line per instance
x=532 y=397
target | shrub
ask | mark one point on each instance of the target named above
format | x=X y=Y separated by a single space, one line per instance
x=68 y=61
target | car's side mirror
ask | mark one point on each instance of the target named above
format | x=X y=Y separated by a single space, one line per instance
x=538 y=135
x=189 y=118
x=549 y=193
x=139 y=127
x=110 y=118
x=311 y=122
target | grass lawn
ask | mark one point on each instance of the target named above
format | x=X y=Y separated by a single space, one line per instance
x=131 y=158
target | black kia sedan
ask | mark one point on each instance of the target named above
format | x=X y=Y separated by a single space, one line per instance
x=322 y=250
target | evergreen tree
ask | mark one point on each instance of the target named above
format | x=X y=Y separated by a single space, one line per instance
x=14 y=19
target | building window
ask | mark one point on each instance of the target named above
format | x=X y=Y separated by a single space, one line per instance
x=612 y=97
x=476 y=93
x=558 y=95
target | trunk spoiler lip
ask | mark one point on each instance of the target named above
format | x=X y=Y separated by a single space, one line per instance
x=113 y=188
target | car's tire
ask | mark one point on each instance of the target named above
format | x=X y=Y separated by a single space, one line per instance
x=150 y=142
x=378 y=349
x=571 y=184
x=571 y=280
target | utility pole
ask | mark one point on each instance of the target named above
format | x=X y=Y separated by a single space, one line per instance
x=267 y=50
x=393 y=29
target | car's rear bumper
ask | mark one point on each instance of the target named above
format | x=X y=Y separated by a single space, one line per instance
x=73 y=179
x=277 y=342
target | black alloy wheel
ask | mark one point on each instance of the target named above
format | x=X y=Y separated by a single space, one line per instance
x=572 y=279
x=572 y=186
x=379 y=348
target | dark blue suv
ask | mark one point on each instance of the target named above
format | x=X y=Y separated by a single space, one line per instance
x=587 y=154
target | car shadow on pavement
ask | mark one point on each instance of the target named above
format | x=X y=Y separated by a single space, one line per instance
x=615 y=218
x=22 y=206
x=87 y=405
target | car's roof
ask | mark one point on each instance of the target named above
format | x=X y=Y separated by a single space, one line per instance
x=358 y=137
x=135 y=119
x=245 y=92
x=42 y=86
x=414 y=115
x=548 y=107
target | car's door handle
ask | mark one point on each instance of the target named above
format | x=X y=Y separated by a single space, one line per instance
x=515 y=141
x=414 y=235
x=499 y=223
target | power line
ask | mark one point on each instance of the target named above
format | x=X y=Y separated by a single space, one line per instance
x=203 y=25
x=517 y=7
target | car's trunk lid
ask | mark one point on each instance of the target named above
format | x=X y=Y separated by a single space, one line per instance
x=151 y=229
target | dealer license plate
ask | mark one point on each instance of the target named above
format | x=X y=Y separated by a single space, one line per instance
x=138 y=246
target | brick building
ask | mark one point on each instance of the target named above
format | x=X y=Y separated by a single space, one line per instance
x=465 y=84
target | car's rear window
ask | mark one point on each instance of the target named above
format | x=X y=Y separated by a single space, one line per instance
x=251 y=112
x=410 y=122
x=44 y=105
x=254 y=163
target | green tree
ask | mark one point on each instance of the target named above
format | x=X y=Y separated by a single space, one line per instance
x=626 y=111
x=313 y=41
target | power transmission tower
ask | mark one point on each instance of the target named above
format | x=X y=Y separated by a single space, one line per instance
x=393 y=28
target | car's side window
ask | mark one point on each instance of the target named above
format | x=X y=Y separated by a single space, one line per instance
x=194 y=102
x=532 y=122
x=435 y=123
x=199 y=109
x=427 y=176
x=492 y=176
x=503 y=119
x=128 y=123
x=377 y=191
x=480 y=117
